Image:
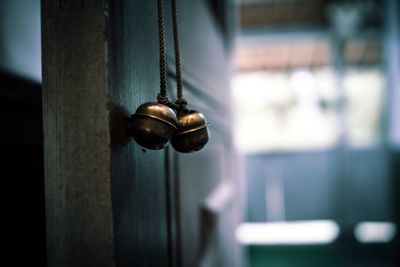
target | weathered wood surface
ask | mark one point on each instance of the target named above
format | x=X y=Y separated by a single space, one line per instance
x=76 y=134
x=206 y=73
x=110 y=202
x=138 y=175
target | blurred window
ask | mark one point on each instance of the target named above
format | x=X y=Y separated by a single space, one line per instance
x=284 y=111
x=280 y=111
x=364 y=91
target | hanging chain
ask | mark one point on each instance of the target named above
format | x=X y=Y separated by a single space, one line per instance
x=181 y=102
x=162 y=97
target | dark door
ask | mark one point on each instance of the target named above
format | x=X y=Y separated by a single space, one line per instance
x=110 y=202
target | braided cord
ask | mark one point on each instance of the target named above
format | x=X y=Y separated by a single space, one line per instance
x=162 y=97
x=181 y=102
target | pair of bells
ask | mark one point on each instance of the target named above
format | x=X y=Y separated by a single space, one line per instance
x=155 y=125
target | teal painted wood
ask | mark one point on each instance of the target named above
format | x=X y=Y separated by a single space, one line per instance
x=206 y=74
x=138 y=175
x=101 y=63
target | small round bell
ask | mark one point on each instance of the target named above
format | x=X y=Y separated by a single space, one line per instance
x=153 y=125
x=192 y=133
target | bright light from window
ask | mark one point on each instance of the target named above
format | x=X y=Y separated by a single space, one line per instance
x=284 y=111
x=288 y=233
x=364 y=95
x=375 y=232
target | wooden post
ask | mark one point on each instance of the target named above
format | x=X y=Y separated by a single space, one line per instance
x=76 y=134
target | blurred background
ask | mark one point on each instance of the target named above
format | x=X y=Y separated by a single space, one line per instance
x=316 y=102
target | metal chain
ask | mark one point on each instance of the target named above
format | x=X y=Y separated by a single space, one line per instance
x=181 y=102
x=162 y=97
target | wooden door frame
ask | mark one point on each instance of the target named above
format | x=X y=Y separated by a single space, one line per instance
x=76 y=134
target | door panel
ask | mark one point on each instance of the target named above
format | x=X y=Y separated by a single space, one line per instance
x=209 y=180
x=109 y=201
x=138 y=175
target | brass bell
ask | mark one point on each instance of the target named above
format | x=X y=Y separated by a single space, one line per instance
x=192 y=134
x=153 y=125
